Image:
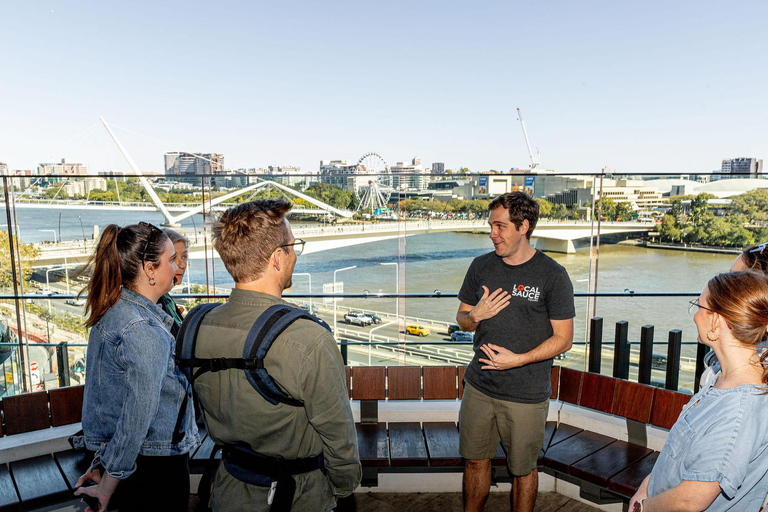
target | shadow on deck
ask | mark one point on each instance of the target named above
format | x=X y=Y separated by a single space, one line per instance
x=444 y=502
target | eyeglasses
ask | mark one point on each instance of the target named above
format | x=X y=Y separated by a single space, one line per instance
x=760 y=248
x=152 y=229
x=695 y=302
x=298 y=247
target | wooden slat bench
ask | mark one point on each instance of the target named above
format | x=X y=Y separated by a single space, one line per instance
x=605 y=467
x=37 y=468
x=608 y=469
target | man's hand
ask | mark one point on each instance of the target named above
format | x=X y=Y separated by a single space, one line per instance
x=489 y=305
x=499 y=358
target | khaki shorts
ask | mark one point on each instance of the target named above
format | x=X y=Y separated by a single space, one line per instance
x=483 y=420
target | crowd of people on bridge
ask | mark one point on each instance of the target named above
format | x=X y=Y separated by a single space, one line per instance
x=268 y=382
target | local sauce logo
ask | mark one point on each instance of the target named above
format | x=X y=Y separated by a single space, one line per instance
x=531 y=293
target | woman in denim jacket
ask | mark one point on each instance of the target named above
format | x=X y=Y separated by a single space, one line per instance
x=716 y=455
x=137 y=412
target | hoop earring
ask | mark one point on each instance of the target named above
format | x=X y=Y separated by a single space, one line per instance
x=153 y=281
x=709 y=335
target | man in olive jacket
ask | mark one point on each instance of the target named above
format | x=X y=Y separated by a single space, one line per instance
x=259 y=250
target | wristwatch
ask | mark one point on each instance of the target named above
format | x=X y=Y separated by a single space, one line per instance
x=638 y=505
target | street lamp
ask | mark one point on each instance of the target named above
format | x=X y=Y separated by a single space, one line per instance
x=55 y=239
x=397 y=291
x=310 y=286
x=334 y=291
x=370 y=336
x=82 y=229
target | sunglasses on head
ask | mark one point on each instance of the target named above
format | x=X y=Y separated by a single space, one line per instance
x=152 y=230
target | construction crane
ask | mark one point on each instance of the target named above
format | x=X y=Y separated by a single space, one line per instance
x=535 y=161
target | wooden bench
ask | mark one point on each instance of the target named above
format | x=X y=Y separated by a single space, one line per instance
x=607 y=469
x=33 y=448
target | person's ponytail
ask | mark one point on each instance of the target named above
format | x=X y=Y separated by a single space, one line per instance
x=106 y=281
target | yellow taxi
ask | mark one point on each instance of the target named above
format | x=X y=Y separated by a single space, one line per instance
x=417 y=330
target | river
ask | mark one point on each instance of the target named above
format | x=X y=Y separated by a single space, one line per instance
x=440 y=260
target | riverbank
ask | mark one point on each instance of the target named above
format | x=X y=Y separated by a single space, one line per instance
x=690 y=248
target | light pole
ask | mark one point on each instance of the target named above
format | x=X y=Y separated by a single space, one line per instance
x=82 y=229
x=309 y=276
x=55 y=239
x=370 y=337
x=334 y=291
x=397 y=292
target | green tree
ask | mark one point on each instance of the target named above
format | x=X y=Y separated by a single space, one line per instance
x=28 y=254
x=559 y=211
x=545 y=207
x=753 y=205
x=669 y=228
x=699 y=211
x=623 y=211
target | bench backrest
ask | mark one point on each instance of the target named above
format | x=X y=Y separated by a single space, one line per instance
x=638 y=402
x=37 y=411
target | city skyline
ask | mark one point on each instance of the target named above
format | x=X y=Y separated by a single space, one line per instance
x=651 y=88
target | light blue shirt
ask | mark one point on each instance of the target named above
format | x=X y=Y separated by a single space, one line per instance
x=721 y=436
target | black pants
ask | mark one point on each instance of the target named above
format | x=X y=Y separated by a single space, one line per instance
x=159 y=483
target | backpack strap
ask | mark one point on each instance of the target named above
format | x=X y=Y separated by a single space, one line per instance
x=187 y=337
x=267 y=328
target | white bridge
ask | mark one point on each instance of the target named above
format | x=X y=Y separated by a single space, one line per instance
x=549 y=236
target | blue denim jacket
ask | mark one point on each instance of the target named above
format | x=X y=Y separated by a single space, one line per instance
x=134 y=390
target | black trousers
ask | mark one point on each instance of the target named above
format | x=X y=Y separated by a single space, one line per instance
x=159 y=483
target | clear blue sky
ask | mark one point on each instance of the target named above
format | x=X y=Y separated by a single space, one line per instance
x=638 y=86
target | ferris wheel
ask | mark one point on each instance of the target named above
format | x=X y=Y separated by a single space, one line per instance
x=373 y=191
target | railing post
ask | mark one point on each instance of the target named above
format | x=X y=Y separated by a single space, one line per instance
x=343 y=348
x=646 y=355
x=621 y=351
x=595 y=344
x=62 y=358
x=673 y=359
x=701 y=351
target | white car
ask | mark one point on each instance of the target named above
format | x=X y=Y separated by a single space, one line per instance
x=355 y=318
x=75 y=302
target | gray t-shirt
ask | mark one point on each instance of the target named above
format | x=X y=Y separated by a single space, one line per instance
x=541 y=291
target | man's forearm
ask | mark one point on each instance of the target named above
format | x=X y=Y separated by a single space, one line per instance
x=465 y=321
x=549 y=348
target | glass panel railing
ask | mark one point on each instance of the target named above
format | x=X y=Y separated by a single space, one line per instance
x=420 y=235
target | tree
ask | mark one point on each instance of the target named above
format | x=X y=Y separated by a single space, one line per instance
x=699 y=210
x=28 y=254
x=669 y=228
x=623 y=211
x=545 y=207
x=559 y=211
x=752 y=204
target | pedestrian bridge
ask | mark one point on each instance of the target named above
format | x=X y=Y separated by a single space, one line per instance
x=552 y=236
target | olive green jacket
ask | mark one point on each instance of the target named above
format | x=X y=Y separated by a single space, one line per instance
x=306 y=363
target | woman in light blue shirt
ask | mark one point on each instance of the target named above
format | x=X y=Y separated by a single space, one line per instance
x=716 y=455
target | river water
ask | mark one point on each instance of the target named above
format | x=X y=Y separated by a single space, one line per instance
x=439 y=261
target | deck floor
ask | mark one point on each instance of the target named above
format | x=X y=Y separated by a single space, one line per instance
x=451 y=502
x=445 y=502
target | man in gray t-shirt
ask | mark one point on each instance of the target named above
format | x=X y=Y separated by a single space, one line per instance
x=520 y=303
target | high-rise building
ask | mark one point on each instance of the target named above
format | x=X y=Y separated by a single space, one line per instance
x=438 y=168
x=412 y=176
x=62 y=168
x=183 y=164
x=340 y=173
x=3 y=169
x=740 y=168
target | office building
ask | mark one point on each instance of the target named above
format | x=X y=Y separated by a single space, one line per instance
x=740 y=168
x=341 y=173
x=185 y=166
x=62 y=168
x=410 y=176
x=438 y=168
